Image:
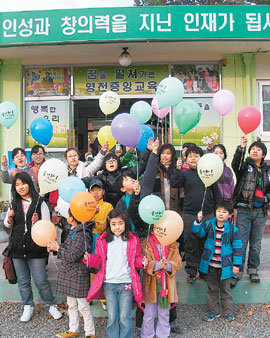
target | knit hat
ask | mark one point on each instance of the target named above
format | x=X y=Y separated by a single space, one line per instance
x=259 y=145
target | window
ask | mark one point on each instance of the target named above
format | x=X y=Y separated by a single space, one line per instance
x=264 y=107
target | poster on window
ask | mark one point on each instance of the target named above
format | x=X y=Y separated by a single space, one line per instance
x=208 y=127
x=198 y=78
x=47 y=82
x=55 y=111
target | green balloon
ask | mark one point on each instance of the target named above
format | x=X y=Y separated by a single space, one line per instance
x=187 y=115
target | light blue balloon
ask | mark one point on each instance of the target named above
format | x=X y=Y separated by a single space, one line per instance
x=41 y=130
x=69 y=186
x=151 y=209
x=170 y=92
x=147 y=132
x=8 y=114
x=142 y=111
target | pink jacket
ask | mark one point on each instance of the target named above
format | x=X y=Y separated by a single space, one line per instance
x=98 y=260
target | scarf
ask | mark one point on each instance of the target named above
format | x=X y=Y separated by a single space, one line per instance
x=72 y=172
x=161 y=276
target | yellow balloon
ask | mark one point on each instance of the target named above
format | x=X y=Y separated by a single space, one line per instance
x=109 y=102
x=105 y=134
x=43 y=232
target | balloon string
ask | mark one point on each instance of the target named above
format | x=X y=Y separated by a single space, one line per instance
x=147 y=239
x=37 y=204
x=242 y=155
x=54 y=262
x=5 y=145
x=157 y=125
x=219 y=125
x=181 y=144
x=137 y=164
x=203 y=198
x=85 y=245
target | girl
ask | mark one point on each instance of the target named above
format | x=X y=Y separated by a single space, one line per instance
x=74 y=278
x=225 y=182
x=117 y=255
x=159 y=275
x=28 y=258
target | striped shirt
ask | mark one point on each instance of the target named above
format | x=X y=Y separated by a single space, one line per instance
x=215 y=261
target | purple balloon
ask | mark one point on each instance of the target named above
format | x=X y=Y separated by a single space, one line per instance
x=126 y=130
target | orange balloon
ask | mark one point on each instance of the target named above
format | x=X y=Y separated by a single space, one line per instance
x=169 y=228
x=43 y=232
x=83 y=206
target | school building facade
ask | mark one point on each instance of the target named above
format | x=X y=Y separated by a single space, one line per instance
x=57 y=63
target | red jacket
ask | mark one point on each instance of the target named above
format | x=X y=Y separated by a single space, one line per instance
x=98 y=260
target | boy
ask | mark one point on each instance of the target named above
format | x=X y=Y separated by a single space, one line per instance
x=251 y=197
x=194 y=195
x=19 y=158
x=221 y=259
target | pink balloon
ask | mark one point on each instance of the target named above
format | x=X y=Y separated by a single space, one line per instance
x=249 y=118
x=223 y=101
x=161 y=113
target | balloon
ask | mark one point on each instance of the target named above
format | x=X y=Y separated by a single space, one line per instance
x=223 y=101
x=41 y=130
x=249 y=118
x=8 y=114
x=169 y=228
x=142 y=111
x=50 y=174
x=126 y=130
x=210 y=168
x=56 y=86
x=187 y=115
x=161 y=113
x=43 y=232
x=62 y=207
x=109 y=102
x=69 y=186
x=105 y=134
x=146 y=133
x=170 y=92
x=151 y=209
x=83 y=206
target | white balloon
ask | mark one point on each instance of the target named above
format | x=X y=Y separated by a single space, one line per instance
x=109 y=102
x=50 y=174
x=62 y=207
x=210 y=168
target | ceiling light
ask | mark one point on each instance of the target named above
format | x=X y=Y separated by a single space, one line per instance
x=125 y=59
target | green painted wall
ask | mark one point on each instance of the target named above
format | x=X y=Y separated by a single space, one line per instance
x=239 y=76
x=11 y=90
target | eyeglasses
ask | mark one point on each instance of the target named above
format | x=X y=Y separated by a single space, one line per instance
x=38 y=154
x=111 y=161
x=18 y=156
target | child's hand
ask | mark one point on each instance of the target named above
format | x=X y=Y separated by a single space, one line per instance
x=163 y=263
x=97 y=209
x=53 y=246
x=144 y=262
x=34 y=218
x=179 y=163
x=136 y=187
x=155 y=146
x=235 y=269
x=86 y=256
x=4 y=161
x=150 y=144
x=243 y=142
x=10 y=216
x=132 y=150
x=105 y=146
x=200 y=216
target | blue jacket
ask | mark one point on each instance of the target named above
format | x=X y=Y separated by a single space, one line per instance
x=231 y=247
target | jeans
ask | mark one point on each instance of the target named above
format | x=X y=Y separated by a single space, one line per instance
x=119 y=306
x=251 y=225
x=37 y=268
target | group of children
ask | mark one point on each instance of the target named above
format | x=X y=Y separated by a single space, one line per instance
x=126 y=262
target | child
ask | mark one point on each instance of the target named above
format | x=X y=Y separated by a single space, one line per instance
x=163 y=263
x=221 y=258
x=73 y=277
x=117 y=255
x=194 y=195
x=19 y=158
x=96 y=189
x=28 y=258
x=37 y=155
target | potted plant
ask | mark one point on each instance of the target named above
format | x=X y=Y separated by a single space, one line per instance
x=3 y=210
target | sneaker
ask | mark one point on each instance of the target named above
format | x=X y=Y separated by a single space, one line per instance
x=104 y=307
x=67 y=334
x=55 y=313
x=175 y=328
x=191 y=279
x=229 y=317
x=254 y=278
x=28 y=311
x=209 y=317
